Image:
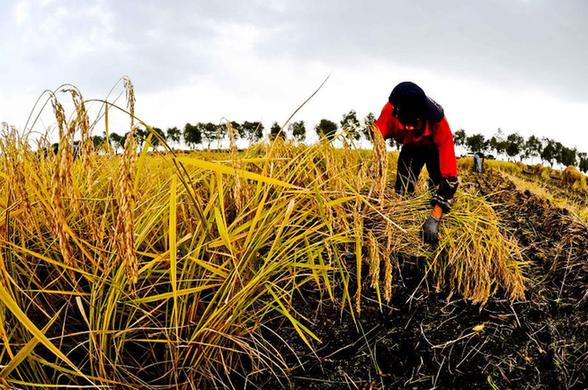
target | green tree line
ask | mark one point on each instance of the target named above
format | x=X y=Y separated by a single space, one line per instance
x=206 y=133
x=512 y=146
x=515 y=146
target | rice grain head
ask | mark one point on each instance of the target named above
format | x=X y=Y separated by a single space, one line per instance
x=375 y=260
x=125 y=240
x=358 y=233
x=238 y=193
x=83 y=124
x=387 y=279
x=62 y=183
x=380 y=162
x=130 y=95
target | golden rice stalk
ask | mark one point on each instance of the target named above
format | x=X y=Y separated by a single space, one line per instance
x=353 y=166
x=64 y=158
x=390 y=245
x=358 y=230
x=13 y=150
x=59 y=116
x=109 y=148
x=232 y=138
x=125 y=197
x=83 y=122
x=380 y=171
x=130 y=94
x=60 y=228
x=387 y=279
x=238 y=192
x=331 y=166
x=62 y=182
x=363 y=172
x=44 y=146
x=375 y=260
x=388 y=232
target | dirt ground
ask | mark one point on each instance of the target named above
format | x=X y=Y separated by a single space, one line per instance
x=422 y=339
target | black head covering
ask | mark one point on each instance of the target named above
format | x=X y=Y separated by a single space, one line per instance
x=411 y=102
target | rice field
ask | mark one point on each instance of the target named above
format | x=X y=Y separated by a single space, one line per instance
x=179 y=270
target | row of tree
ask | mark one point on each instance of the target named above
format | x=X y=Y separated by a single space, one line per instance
x=515 y=146
x=205 y=134
x=511 y=146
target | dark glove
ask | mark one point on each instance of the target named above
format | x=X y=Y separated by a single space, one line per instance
x=431 y=230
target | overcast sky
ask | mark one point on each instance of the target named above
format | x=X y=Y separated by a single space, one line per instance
x=521 y=65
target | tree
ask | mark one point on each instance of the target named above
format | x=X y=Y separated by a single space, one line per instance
x=117 y=141
x=514 y=144
x=368 y=122
x=476 y=143
x=211 y=132
x=156 y=141
x=497 y=142
x=192 y=135
x=173 y=135
x=459 y=137
x=140 y=136
x=253 y=131
x=558 y=151
x=533 y=147
x=566 y=156
x=548 y=154
x=583 y=165
x=298 y=130
x=326 y=129
x=97 y=141
x=275 y=131
x=350 y=125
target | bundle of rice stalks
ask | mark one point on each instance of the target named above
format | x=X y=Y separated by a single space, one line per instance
x=573 y=178
x=540 y=171
x=514 y=168
x=475 y=257
x=380 y=172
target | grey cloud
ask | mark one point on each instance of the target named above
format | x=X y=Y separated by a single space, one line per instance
x=518 y=43
x=67 y=41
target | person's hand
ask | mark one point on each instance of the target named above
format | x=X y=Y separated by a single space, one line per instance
x=431 y=230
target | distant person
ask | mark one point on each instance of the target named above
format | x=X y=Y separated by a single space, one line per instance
x=478 y=162
x=418 y=123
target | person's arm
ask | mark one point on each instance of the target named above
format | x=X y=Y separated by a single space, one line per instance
x=386 y=122
x=444 y=196
x=447 y=165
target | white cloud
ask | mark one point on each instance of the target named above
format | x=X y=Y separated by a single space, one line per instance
x=21 y=11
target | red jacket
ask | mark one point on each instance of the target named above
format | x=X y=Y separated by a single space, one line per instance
x=390 y=127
